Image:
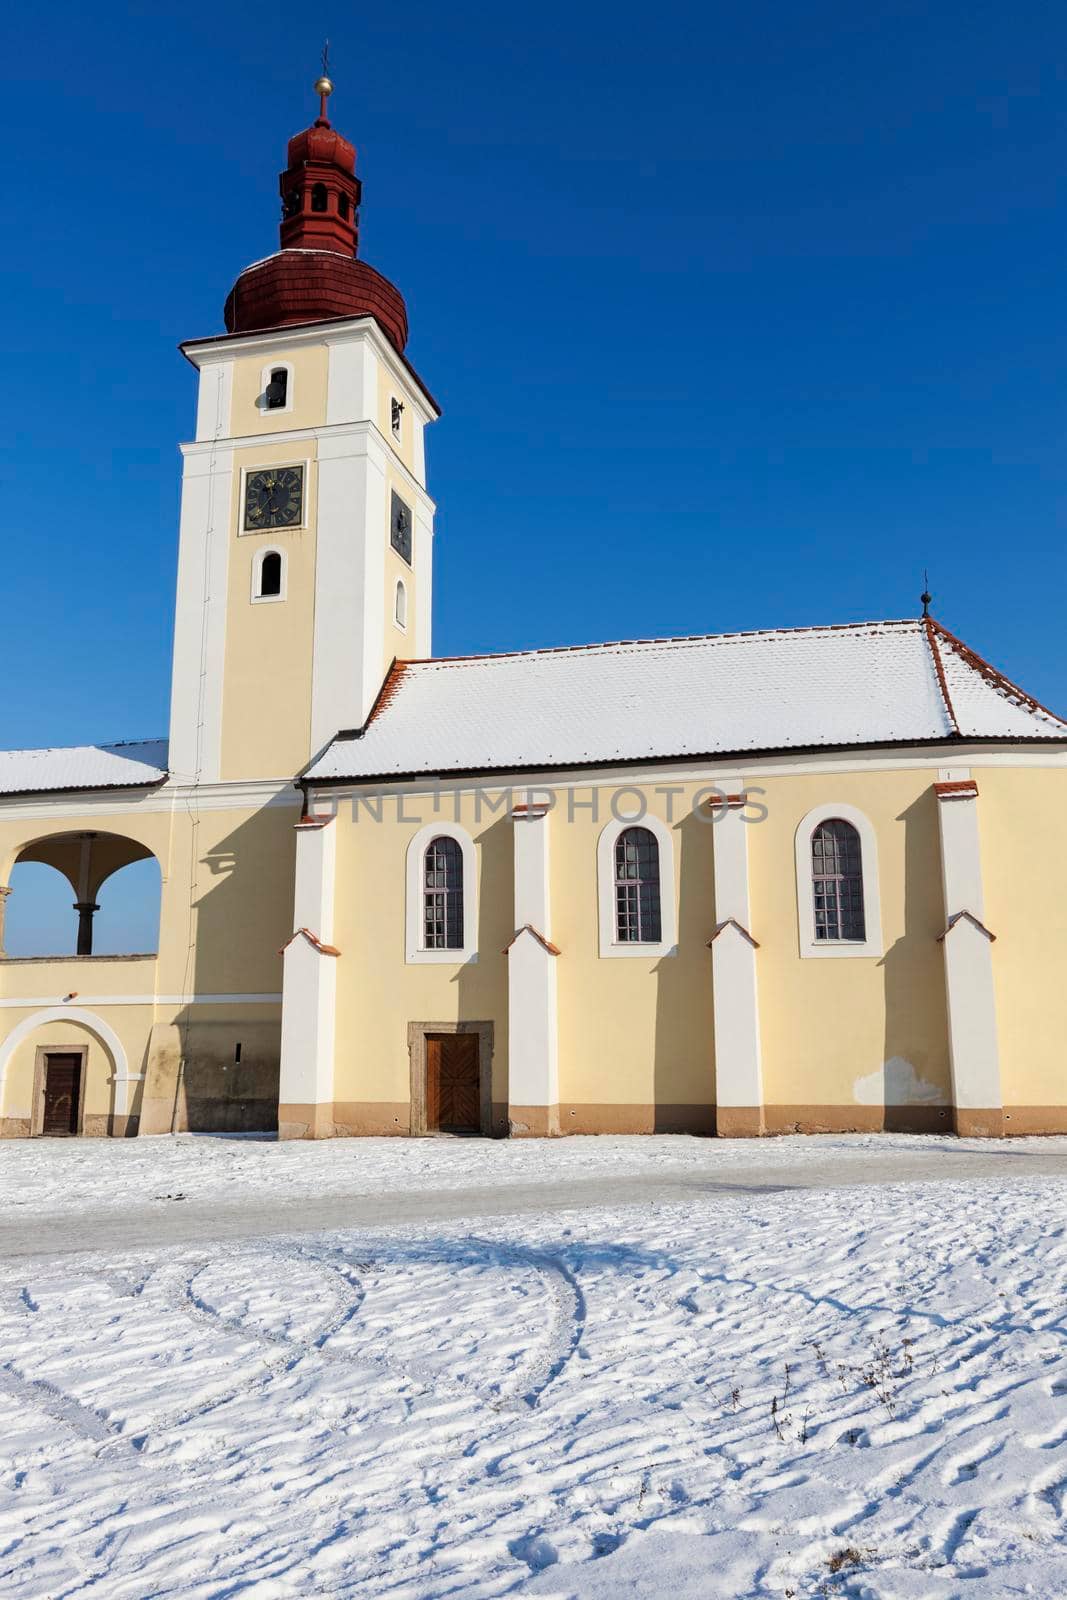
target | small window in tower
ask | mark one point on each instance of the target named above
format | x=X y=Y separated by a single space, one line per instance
x=342 y=207
x=318 y=197
x=278 y=389
x=292 y=203
x=397 y=409
x=400 y=607
x=268 y=576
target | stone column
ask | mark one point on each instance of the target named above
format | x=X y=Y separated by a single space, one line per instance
x=738 y=1071
x=967 y=944
x=309 y=989
x=86 y=910
x=533 y=1026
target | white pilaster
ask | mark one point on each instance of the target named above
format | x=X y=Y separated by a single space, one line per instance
x=967 y=943
x=309 y=989
x=352 y=381
x=200 y=615
x=738 y=1070
x=533 y=1028
x=352 y=530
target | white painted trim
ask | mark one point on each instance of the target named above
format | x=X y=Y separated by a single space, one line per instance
x=214 y=402
x=309 y=975
x=667 y=945
x=735 y=991
x=348 y=645
x=641 y=775
x=974 y=1051
x=200 y=613
x=264 y=379
x=305 y=497
x=245 y=795
x=415 y=953
x=873 y=944
x=533 y=1010
x=85 y=1019
x=358 y=330
x=400 y=608
x=257 y=576
x=149 y=999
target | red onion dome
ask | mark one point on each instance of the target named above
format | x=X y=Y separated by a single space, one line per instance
x=320 y=142
x=313 y=286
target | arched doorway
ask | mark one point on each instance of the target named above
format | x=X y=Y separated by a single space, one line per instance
x=63 y=1071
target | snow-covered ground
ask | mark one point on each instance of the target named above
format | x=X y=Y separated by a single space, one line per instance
x=89 y=1174
x=856 y=1391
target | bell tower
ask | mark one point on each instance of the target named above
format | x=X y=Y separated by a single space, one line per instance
x=319 y=188
x=305 y=555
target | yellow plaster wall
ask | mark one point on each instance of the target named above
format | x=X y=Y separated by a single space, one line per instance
x=266 y=719
x=226 y=902
x=308 y=380
x=827 y=1023
x=398 y=643
x=1021 y=814
x=633 y=1031
x=378 y=994
x=226 y=911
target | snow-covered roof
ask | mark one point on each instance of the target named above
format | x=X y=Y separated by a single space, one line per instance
x=723 y=694
x=136 y=764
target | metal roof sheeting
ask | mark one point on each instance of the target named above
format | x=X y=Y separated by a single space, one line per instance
x=859 y=684
x=83 y=766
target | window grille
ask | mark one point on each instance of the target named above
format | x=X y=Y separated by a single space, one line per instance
x=442 y=917
x=637 y=904
x=837 y=881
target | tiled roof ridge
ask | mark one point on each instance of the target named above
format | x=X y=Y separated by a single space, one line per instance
x=992 y=675
x=930 y=630
x=680 y=638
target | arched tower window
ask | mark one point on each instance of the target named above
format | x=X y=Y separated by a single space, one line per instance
x=318 y=197
x=837 y=881
x=637 y=902
x=270 y=575
x=400 y=605
x=342 y=207
x=443 y=895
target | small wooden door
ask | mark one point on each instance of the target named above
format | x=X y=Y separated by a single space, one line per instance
x=62 y=1082
x=453 y=1089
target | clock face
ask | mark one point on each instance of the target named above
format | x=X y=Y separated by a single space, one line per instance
x=400 y=528
x=274 y=498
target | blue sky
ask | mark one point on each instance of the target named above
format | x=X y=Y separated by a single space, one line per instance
x=739 y=316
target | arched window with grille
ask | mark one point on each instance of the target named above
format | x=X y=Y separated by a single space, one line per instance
x=443 y=895
x=637 y=898
x=837 y=882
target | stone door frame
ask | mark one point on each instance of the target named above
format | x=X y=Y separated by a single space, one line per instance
x=417 y=1032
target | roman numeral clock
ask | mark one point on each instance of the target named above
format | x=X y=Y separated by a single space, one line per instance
x=274 y=498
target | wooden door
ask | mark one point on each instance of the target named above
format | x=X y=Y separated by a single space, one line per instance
x=453 y=1087
x=62 y=1082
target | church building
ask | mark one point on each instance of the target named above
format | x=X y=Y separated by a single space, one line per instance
x=809 y=879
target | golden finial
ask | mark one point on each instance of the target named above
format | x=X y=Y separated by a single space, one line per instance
x=324 y=84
